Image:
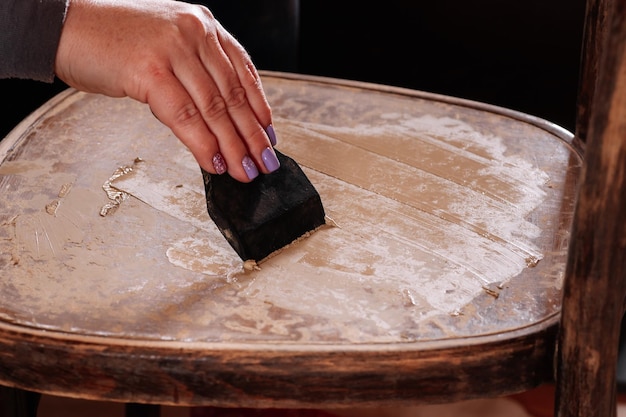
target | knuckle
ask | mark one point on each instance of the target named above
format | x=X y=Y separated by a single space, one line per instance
x=217 y=105
x=203 y=11
x=192 y=22
x=186 y=115
x=236 y=98
x=259 y=136
x=152 y=72
x=252 y=79
x=193 y=19
x=214 y=108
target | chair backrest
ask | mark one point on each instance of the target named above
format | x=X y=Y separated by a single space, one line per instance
x=595 y=280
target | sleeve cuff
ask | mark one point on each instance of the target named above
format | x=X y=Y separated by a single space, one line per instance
x=29 y=41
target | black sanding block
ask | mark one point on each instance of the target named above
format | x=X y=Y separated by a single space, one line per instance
x=262 y=216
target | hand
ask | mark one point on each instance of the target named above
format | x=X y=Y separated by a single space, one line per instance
x=196 y=78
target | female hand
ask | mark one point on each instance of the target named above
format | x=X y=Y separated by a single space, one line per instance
x=175 y=56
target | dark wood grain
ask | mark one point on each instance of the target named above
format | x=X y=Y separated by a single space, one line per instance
x=595 y=286
x=592 y=46
x=261 y=377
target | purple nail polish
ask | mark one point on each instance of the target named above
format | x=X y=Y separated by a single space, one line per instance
x=249 y=167
x=270 y=160
x=219 y=164
x=271 y=134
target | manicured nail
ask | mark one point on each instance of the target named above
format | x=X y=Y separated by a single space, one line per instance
x=270 y=160
x=271 y=134
x=250 y=168
x=219 y=164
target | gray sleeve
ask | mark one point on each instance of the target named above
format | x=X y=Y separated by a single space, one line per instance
x=29 y=37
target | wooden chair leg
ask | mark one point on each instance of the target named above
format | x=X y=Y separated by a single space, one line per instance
x=141 y=410
x=594 y=287
x=18 y=403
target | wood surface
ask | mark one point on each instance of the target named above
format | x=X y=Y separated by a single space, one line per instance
x=440 y=278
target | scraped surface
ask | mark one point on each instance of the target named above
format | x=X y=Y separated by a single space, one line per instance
x=448 y=216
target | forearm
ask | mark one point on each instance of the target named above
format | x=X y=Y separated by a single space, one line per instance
x=29 y=37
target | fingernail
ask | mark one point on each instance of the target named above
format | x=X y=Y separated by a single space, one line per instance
x=271 y=134
x=219 y=164
x=270 y=160
x=251 y=170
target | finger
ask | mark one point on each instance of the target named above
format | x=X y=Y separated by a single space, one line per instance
x=248 y=76
x=236 y=99
x=214 y=111
x=174 y=107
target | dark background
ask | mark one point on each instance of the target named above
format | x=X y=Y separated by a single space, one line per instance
x=522 y=55
x=519 y=54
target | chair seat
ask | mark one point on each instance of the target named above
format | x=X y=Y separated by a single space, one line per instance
x=444 y=254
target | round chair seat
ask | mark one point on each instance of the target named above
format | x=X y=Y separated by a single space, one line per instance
x=444 y=255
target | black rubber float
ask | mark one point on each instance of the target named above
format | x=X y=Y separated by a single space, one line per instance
x=262 y=216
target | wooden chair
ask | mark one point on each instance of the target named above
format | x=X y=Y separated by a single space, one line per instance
x=478 y=254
